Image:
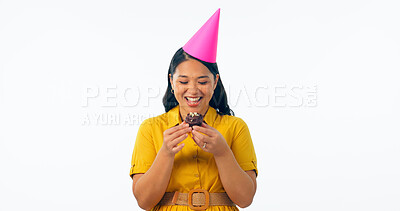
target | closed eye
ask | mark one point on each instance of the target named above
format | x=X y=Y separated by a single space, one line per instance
x=203 y=82
x=183 y=82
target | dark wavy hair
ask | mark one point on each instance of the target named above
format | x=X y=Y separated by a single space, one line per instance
x=219 y=99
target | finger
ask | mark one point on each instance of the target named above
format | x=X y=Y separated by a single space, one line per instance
x=180 y=132
x=178 y=140
x=198 y=142
x=192 y=136
x=206 y=131
x=205 y=125
x=198 y=138
x=195 y=139
x=178 y=148
x=176 y=128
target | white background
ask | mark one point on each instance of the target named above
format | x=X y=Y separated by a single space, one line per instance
x=341 y=153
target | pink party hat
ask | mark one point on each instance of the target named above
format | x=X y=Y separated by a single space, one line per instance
x=203 y=45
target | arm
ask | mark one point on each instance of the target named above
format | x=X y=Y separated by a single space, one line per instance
x=239 y=185
x=150 y=187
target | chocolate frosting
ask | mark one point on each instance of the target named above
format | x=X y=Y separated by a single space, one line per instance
x=194 y=119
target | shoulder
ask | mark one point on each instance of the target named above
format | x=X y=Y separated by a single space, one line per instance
x=233 y=120
x=232 y=123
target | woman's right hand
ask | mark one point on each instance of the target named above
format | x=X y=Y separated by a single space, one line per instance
x=151 y=186
x=173 y=136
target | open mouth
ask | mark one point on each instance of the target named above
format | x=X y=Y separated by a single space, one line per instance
x=193 y=101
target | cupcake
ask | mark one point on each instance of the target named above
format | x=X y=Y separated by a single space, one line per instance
x=194 y=118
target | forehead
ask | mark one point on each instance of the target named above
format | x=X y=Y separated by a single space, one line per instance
x=192 y=68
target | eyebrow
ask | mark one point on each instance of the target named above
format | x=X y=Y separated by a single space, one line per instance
x=185 y=76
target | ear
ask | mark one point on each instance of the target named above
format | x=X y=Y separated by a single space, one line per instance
x=170 y=80
x=216 y=80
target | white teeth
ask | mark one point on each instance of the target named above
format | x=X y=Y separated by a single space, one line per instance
x=193 y=99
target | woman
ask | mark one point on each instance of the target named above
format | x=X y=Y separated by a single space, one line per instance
x=207 y=167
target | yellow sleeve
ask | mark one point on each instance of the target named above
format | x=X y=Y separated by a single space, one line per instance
x=242 y=147
x=144 y=151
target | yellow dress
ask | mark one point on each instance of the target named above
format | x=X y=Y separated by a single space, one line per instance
x=193 y=168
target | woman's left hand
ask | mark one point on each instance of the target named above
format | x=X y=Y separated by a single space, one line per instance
x=211 y=140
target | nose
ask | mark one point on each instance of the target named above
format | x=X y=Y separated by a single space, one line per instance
x=192 y=88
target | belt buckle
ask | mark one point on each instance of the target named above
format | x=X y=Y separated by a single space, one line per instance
x=201 y=207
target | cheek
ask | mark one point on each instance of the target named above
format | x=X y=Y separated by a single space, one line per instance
x=209 y=91
x=177 y=86
x=179 y=90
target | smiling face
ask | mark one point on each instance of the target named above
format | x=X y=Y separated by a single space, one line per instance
x=193 y=86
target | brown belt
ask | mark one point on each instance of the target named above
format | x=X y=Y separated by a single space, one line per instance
x=197 y=199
